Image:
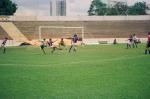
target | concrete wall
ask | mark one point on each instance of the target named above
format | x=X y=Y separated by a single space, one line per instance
x=77 y=18
x=92 y=29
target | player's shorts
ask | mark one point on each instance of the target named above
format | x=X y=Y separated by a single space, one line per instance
x=129 y=42
x=135 y=41
x=3 y=45
x=42 y=46
x=62 y=44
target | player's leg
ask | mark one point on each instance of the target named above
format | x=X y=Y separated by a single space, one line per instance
x=4 y=51
x=130 y=45
x=53 y=49
x=74 y=48
x=135 y=42
x=127 y=45
x=0 y=47
x=146 y=49
x=61 y=46
x=64 y=46
x=44 y=51
x=149 y=50
x=70 y=48
x=42 y=48
x=149 y=47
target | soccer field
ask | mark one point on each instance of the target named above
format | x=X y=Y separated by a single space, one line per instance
x=93 y=72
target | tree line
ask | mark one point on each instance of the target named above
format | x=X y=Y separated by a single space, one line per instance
x=99 y=8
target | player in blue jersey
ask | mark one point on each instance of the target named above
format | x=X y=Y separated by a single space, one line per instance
x=130 y=41
x=51 y=45
x=74 y=40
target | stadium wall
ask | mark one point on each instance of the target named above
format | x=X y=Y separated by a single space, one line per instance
x=77 y=18
x=97 y=28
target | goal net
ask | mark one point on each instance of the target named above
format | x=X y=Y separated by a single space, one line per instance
x=57 y=32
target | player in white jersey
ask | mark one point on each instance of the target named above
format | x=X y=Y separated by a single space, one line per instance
x=135 y=41
x=3 y=45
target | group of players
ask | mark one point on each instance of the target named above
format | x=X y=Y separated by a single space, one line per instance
x=51 y=45
x=132 y=41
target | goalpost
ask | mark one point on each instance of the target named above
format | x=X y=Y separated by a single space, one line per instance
x=62 y=28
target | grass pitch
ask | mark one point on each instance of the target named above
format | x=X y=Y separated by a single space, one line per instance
x=93 y=72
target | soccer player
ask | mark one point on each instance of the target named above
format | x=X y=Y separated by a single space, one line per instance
x=3 y=45
x=134 y=41
x=148 y=44
x=43 y=45
x=115 y=41
x=73 y=43
x=51 y=45
x=61 y=44
x=130 y=41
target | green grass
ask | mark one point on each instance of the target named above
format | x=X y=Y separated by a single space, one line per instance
x=93 y=72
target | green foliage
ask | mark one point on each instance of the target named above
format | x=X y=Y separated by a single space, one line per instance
x=7 y=7
x=99 y=8
x=138 y=9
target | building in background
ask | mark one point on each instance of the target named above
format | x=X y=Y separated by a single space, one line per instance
x=57 y=7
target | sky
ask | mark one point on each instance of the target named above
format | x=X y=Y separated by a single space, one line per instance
x=41 y=7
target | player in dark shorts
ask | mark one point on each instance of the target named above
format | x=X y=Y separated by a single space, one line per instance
x=3 y=45
x=62 y=44
x=43 y=45
x=51 y=45
x=130 y=41
x=73 y=43
x=148 y=44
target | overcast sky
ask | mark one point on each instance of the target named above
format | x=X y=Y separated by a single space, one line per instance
x=41 y=7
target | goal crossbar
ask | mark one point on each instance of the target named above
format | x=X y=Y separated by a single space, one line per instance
x=60 y=27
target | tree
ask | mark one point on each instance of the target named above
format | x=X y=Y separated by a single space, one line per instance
x=138 y=8
x=97 y=8
x=120 y=8
x=7 y=7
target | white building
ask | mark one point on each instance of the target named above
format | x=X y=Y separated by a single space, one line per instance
x=57 y=7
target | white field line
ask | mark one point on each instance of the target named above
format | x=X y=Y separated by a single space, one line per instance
x=77 y=62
